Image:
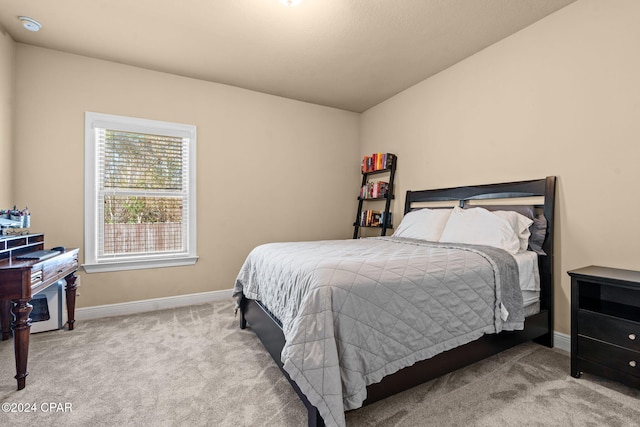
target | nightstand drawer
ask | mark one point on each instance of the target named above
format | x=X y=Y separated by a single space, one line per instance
x=618 y=358
x=621 y=332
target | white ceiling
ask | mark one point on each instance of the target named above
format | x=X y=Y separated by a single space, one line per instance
x=348 y=54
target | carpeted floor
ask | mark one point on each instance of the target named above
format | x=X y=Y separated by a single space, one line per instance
x=193 y=366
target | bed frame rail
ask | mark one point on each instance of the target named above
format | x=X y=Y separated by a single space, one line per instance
x=261 y=322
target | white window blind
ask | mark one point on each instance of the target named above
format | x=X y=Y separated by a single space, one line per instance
x=142 y=193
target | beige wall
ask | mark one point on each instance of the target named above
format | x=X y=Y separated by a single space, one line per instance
x=259 y=169
x=7 y=62
x=561 y=97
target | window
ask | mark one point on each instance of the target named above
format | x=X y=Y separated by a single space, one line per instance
x=139 y=193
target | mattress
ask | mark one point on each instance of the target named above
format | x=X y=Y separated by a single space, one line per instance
x=529 y=277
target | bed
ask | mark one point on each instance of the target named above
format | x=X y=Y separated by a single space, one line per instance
x=352 y=322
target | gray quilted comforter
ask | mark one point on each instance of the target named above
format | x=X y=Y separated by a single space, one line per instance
x=354 y=311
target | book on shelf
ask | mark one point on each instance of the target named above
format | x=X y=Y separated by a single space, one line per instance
x=374 y=190
x=388 y=219
x=374 y=218
x=377 y=161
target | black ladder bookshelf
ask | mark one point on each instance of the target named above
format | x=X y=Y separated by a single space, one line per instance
x=384 y=222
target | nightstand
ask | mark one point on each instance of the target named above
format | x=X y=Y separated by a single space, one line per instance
x=605 y=323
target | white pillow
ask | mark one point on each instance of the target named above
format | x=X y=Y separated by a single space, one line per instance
x=520 y=225
x=478 y=226
x=424 y=224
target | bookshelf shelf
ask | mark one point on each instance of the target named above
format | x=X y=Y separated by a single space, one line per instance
x=373 y=198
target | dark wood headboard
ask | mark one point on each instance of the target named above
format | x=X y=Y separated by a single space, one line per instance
x=540 y=188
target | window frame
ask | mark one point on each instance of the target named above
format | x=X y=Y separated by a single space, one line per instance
x=92 y=262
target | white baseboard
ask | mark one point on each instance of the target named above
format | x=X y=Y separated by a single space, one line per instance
x=561 y=341
x=154 y=304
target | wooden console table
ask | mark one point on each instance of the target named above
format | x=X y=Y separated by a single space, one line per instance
x=21 y=279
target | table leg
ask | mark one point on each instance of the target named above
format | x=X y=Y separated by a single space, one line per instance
x=5 y=318
x=70 y=289
x=21 y=329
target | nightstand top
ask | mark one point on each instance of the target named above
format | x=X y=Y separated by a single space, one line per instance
x=607 y=274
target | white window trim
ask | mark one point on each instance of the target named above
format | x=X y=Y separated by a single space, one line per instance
x=91 y=226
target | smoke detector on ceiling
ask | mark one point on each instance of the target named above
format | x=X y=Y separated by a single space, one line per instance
x=30 y=23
